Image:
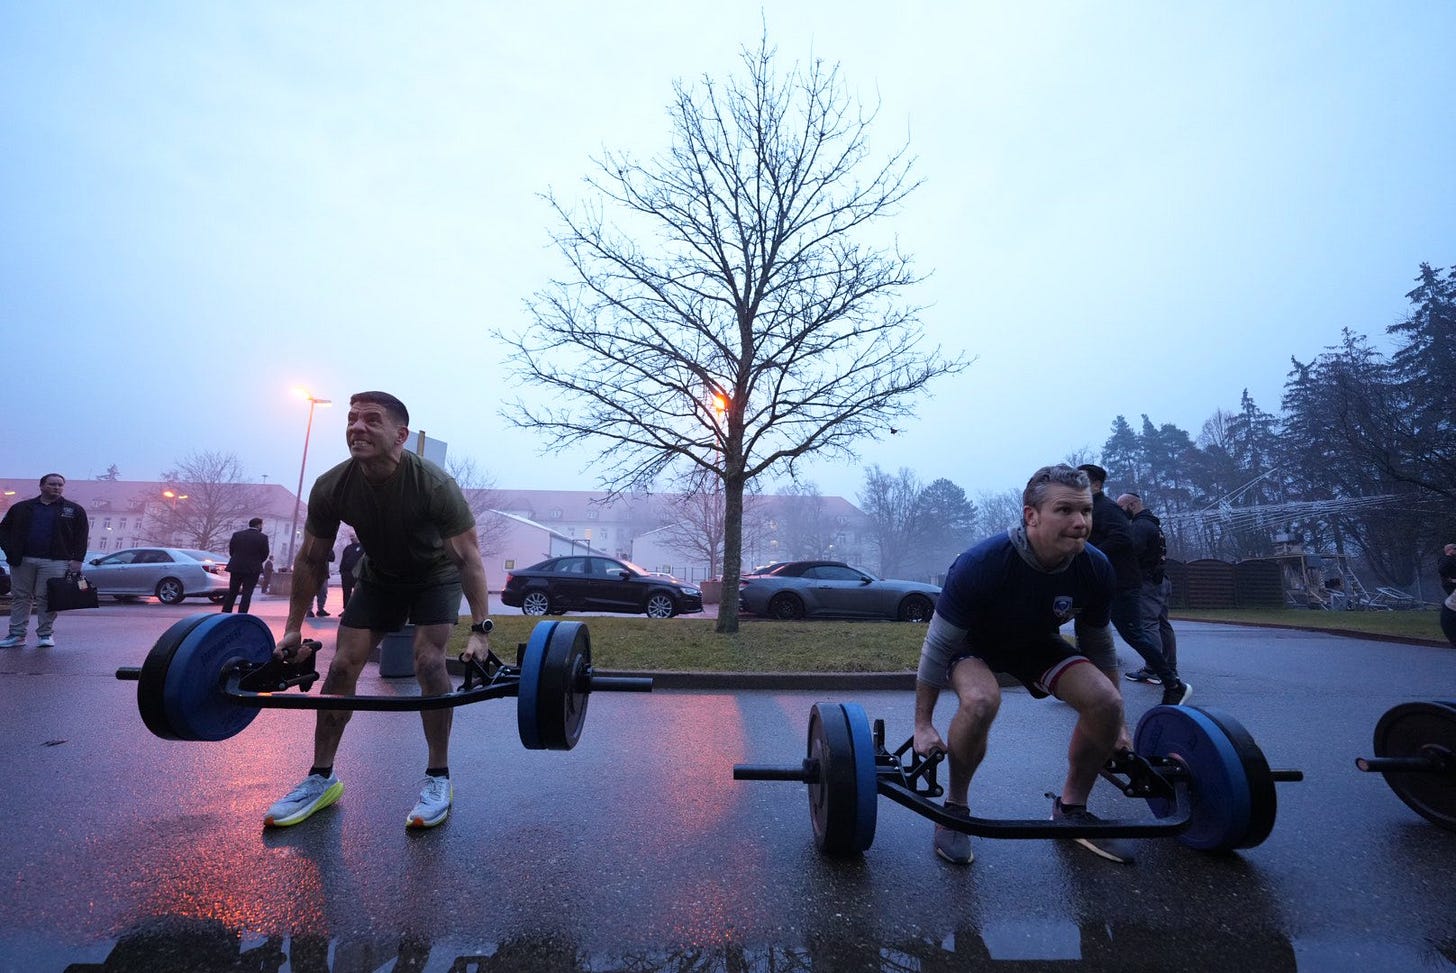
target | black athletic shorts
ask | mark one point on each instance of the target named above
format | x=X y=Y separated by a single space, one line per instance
x=386 y=608
x=1036 y=663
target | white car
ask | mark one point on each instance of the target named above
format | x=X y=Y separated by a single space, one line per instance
x=169 y=573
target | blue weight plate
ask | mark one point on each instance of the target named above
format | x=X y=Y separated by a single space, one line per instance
x=843 y=797
x=528 y=692
x=151 y=685
x=562 y=688
x=1218 y=790
x=192 y=692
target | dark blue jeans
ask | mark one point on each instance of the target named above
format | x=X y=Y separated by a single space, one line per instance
x=1127 y=618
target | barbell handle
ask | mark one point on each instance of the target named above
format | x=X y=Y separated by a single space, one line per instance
x=132 y=673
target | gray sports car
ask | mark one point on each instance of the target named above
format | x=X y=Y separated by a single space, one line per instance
x=825 y=589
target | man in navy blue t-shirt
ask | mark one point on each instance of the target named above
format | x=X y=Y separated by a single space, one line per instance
x=1000 y=610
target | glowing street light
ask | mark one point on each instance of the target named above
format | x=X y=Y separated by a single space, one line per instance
x=298 y=495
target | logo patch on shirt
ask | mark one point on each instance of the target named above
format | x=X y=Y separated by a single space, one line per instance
x=1062 y=607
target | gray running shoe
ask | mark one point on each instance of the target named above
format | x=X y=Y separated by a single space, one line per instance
x=315 y=793
x=952 y=845
x=1113 y=849
x=434 y=803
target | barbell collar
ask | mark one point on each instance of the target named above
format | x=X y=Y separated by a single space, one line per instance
x=129 y=673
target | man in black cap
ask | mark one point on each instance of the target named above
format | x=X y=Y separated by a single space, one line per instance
x=1112 y=535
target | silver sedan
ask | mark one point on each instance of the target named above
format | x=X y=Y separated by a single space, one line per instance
x=833 y=589
x=169 y=573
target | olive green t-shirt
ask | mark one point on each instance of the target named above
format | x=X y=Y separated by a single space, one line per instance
x=402 y=523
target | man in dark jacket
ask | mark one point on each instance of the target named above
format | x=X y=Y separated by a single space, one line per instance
x=349 y=566
x=1151 y=548
x=43 y=538
x=1112 y=535
x=246 y=553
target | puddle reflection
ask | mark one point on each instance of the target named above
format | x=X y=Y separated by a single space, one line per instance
x=174 y=943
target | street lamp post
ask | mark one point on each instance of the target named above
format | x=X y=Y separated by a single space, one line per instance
x=298 y=494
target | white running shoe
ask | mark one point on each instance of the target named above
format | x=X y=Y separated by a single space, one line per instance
x=434 y=803
x=312 y=795
x=12 y=642
x=48 y=642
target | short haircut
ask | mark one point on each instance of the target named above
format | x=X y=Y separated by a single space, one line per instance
x=256 y=522
x=393 y=407
x=56 y=475
x=1094 y=472
x=1042 y=480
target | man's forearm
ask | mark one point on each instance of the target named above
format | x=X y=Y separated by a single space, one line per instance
x=477 y=591
x=308 y=577
x=926 y=695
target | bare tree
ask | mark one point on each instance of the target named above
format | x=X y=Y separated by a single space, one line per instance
x=998 y=510
x=484 y=502
x=804 y=530
x=204 y=501
x=696 y=527
x=889 y=503
x=732 y=323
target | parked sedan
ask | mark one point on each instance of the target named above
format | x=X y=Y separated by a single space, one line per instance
x=824 y=589
x=594 y=583
x=170 y=573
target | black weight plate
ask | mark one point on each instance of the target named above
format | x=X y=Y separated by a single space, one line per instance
x=555 y=686
x=1263 y=800
x=1402 y=732
x=843 y=797
x=192 y=693
x=1218 y=791
x=151 y=685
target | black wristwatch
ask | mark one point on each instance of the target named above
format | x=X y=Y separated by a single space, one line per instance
x=482 y=628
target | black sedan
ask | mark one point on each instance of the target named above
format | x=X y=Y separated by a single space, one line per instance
x=824 y=589
x=595 y=583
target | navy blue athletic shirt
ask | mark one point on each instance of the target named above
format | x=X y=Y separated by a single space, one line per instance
x=993 y=593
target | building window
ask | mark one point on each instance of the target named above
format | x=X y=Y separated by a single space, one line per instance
x=591 y=515
x=121 y=524
x=510 y=564
x=556 y=514
x=106 y=523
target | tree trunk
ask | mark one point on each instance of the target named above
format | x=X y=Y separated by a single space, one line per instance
x=732 y=554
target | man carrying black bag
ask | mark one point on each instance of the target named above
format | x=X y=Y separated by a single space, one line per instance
x=43 y=538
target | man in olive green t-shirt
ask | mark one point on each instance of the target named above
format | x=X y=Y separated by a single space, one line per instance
x=421 y=556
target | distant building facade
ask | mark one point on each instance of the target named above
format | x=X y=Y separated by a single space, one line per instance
x=523 y=526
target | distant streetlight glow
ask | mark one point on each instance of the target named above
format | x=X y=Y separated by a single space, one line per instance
x=298 y=494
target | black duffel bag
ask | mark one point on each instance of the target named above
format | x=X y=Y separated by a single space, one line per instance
x=69 y=593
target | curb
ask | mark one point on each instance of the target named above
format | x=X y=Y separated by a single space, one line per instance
x=1342 y=632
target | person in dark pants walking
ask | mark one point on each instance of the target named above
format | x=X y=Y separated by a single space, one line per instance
x=348 y=563
x=246 y=553
x=1112 y=535
x=1151 y=548
x=323 y=592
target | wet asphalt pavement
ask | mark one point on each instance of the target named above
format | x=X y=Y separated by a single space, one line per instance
x=637 y=851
